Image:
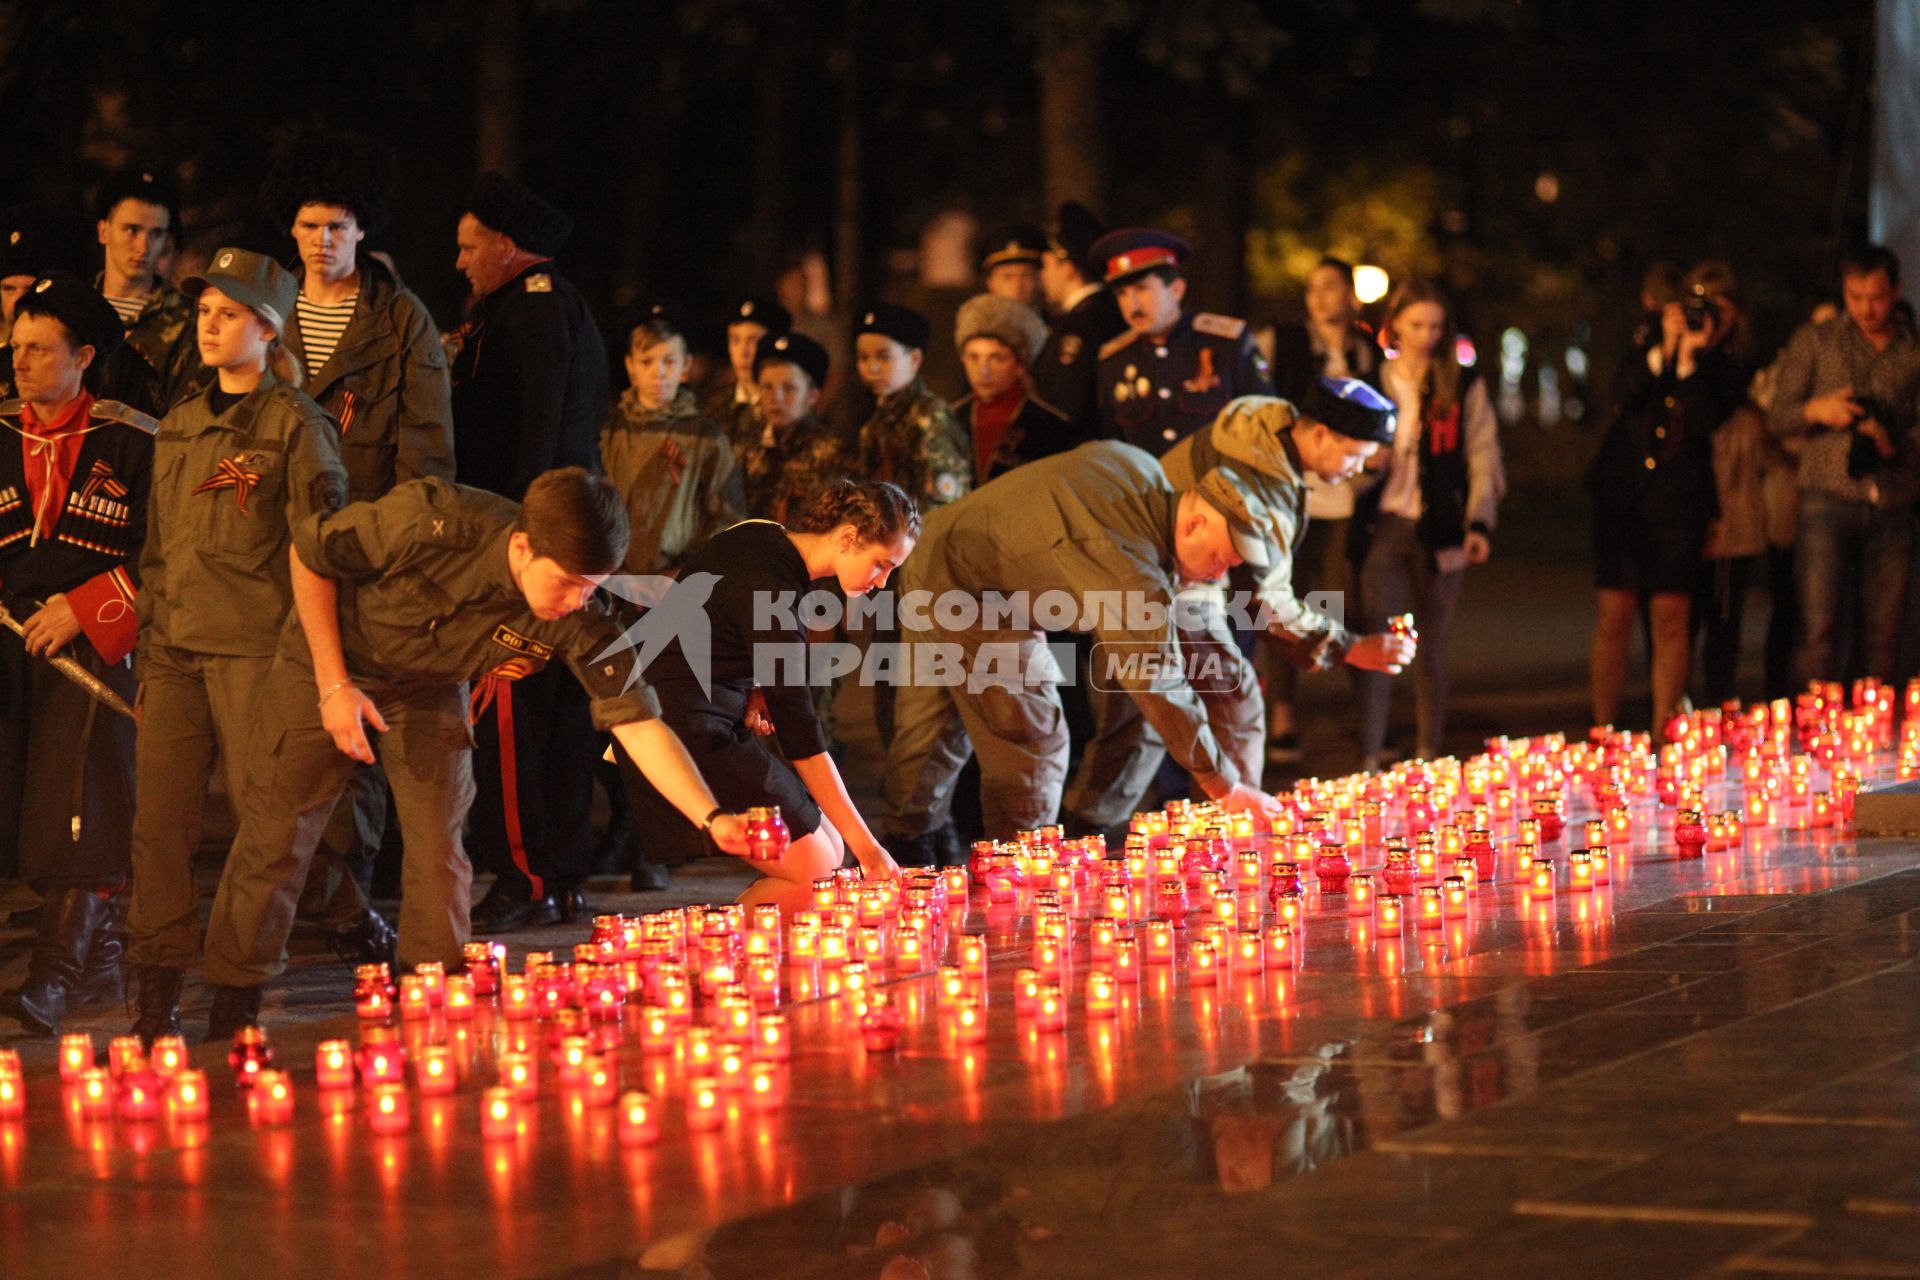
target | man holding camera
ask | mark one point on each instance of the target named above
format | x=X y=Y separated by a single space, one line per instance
x=1850 y=385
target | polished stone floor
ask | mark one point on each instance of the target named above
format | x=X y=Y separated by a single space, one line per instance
x=1708 y=1067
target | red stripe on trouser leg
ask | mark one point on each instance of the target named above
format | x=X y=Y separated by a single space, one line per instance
x=510 y=788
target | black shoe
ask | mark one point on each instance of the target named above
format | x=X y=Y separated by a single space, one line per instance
x=366 y=940
x=156 y=998
x=104 y=981
x=572 y=904
x=613 y=853
x=647 y=877
x=233 y=1008
x=498 y=913
x=69 y=919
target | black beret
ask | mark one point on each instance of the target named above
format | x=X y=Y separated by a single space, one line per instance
x=1075 y=228
x=765 y=312
x=1015 y=244
x=89 y=317
x=143 y=185
x=21 y=250
x=515 y=211
x=321 y=166
x=1351 y=408
x=903 y=324
x=661 y=321
x=795 y=349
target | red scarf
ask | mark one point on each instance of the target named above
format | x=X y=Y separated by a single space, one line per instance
x=50 y=451
x=991 y=418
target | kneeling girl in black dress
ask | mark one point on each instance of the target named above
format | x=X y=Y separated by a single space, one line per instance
x=851 y=533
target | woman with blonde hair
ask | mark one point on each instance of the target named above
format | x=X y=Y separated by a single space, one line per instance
x=1432 y=511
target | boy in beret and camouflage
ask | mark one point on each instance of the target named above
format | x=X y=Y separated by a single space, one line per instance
x=450 y=585
x=912 y=439
x=74 y=474
x=234 y=468
x=796 y=453
x=736 y=404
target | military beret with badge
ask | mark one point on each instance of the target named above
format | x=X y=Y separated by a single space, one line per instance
x=903 y=325
x=796 y=349
x=90 y=318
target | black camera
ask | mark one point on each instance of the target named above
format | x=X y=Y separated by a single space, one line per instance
x=1699 y=310
x=1863 y=455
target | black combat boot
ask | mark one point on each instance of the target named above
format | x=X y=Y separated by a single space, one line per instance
x=233 y=1008
x=104 y=981
x=69 y=918
x=156 y=998
x=368 y=939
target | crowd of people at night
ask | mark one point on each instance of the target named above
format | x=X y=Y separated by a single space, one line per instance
x=273 y=530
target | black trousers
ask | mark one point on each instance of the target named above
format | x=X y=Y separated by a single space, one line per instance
x=533 y=769
x=66 y=771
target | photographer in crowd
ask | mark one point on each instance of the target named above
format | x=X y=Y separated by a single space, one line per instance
x=1653 y=489
x=1849 y=385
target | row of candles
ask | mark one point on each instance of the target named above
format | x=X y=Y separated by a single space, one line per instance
x=1135 y=903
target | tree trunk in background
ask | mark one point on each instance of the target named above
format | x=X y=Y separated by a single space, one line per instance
x=850 y=192
x=1220 y=219
x=654 y=108
x=772 y=89
x=1072 y=151
x=497 y=87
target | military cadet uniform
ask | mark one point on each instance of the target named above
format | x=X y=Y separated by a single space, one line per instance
x=783 y=470
x=912 y=439
x=1254 y=437
x=1098 y=519
x=159 y=363
x=386 y=385
x=531 y=390
x=229 y=481
x=1064 y=371
x=73 y=505
x=736 y=406
x=427 y=602
x=676 y=470
x=1155 y=391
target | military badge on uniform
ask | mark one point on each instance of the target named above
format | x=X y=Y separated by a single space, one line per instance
x=1070 y=348
x=676 y=459
x=509 y=638
x=1204 y=378
x=233 y=473
x=539 y=282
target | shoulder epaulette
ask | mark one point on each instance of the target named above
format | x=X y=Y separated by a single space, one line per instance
x=12 y=408
x=539 y=282
x=125 y=414
x=1117 y=344
x=1218 y=326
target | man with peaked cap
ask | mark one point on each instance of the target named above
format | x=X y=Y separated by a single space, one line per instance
x=74 y=473
x=1011 y=265
x=912 y=439
x=735 y=405
x=1085 y=319
x=373 y=360
x=159 y=363
x=1173 y=370
x=530 y=391
x=1272 y=448
x=1103 y=531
